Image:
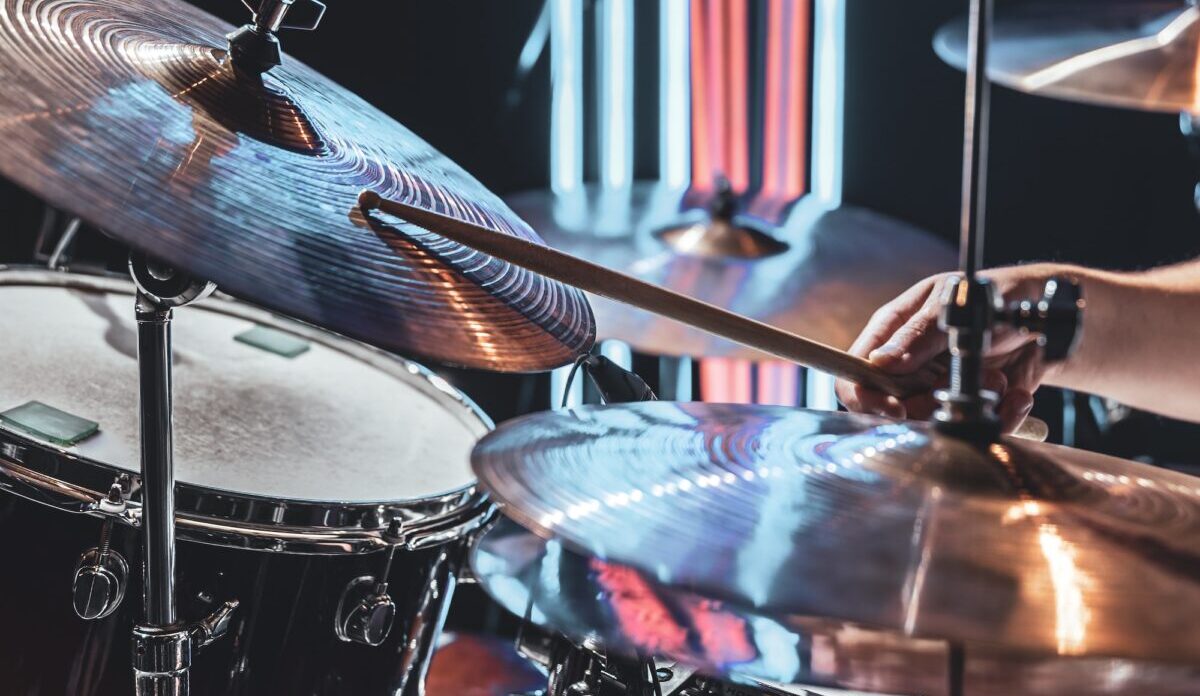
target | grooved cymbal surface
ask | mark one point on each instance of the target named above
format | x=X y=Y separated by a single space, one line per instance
x=891 y=525
x=1137 y=55
x=130 y=115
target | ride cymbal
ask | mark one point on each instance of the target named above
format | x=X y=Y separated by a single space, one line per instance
x=1023 y=546
x=823 y=282
x=132 y=116
x=1137 y=55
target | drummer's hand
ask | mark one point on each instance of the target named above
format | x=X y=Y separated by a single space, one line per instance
x=903 y=335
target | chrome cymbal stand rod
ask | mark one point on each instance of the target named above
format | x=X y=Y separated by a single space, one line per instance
x=971 y=304
x=162 y=646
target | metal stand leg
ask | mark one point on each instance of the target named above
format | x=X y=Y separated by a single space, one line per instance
x=162 y=646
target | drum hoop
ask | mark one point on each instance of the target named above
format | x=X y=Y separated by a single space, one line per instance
x=51 y=475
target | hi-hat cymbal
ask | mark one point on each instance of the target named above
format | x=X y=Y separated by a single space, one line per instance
x=1138 y=55
x=1022 y=546
x=625 y=611
x=823 y=283
x=130 y=115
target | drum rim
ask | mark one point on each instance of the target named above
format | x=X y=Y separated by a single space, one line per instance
x=52 y=475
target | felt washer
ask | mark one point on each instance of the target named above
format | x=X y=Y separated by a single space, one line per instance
x=323 y=447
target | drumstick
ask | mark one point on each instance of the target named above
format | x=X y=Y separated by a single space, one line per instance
x=614 y=285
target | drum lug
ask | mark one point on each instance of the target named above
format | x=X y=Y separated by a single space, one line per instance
x=365 y=613
x=101 y=575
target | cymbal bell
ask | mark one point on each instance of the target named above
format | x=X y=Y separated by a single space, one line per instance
x=820 y=276
x=131 y=115
x=1136 y=55
x=893 y=526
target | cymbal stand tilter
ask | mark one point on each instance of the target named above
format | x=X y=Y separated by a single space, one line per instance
x=254 y=47
x=162 y=646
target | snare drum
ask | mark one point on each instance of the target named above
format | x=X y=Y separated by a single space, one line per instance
x=303 y=460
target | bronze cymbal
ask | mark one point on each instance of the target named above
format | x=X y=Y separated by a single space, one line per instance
x=833 y=270
x=1137 y=55
x=625 y=611
x=130 y=115
x=1023 y=546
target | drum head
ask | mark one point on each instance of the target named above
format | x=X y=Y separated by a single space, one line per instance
x=338 y=422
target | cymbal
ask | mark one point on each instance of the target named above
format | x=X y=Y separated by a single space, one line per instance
x=893 y=526
x=626 y=611
x=832 y=273
x=1137 y=55
x=129 y=114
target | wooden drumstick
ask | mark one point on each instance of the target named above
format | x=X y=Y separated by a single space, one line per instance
x=614 y=285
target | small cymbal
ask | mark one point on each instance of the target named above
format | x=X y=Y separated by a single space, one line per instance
x=824 y=282
x=630 y=612
x=131 y=115
x=1024 y=546
x=1137 y=55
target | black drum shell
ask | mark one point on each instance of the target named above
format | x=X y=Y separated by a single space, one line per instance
x=282 y=639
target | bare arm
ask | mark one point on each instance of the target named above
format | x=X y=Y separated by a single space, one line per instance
x=1141 y=340
x=1141 y=336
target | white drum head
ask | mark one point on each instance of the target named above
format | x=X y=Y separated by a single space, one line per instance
x=337 y=423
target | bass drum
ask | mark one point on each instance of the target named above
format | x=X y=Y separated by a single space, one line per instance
x=308 y=467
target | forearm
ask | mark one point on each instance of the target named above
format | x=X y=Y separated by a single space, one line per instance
x=1141 y=334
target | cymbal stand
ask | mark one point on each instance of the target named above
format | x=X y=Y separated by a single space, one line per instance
x=162 y=646
x=971 y=306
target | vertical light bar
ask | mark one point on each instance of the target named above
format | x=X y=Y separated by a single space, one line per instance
x=819 y=393
x=558 y=382
x=726 y=380
x=619 y=352
x=736 y=68
x=616 y=93
x=829 y=30
x=675 y=378
x=674 y=94
x=566 y=95
x=704 y=151
x=778 y=383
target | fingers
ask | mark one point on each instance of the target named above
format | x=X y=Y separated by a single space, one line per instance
x=886 y=321
x=866 y=400
x=917 y=340
x=1014 y=408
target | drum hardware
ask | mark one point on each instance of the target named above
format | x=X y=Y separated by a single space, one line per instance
x=162 y=647
x=102 y=574
x=365 y=613
x=64 y=242
x=255 y=46
x=249 y=499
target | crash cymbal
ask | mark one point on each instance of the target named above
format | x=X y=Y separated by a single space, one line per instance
x=1138 y=55
x=890 y=525
x=824 y=282
x=130 y=115
x=625 y=611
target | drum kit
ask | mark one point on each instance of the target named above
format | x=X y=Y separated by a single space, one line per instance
x=294 y=503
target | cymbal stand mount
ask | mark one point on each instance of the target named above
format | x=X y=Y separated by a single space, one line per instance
x=162 y=646
x=971 y=306
x=255 y=47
